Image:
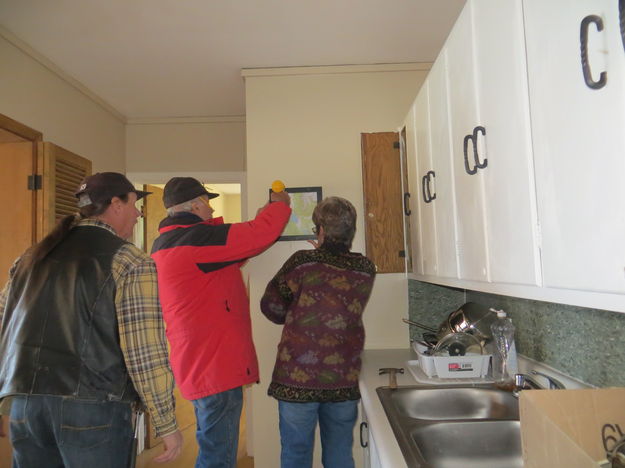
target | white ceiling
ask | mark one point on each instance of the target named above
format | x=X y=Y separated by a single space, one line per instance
x=183 y=58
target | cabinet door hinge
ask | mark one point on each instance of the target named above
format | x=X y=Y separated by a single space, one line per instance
x=396 y=144
x=402 y=254
x=34 y=182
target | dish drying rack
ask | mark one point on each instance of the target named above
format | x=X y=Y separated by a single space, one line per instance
x=470 y=368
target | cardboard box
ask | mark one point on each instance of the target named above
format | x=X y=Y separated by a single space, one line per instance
x=570 y=428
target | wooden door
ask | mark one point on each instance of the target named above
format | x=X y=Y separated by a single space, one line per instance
x=61 y=173
x=381 y=171
x=18 y=201
x=153 y=212
x=18 y=159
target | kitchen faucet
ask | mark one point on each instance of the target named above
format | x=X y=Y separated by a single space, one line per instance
x=554 y=384
x=525 y=381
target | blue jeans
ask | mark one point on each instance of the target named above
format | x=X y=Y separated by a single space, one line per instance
x=57 y=432
x=336 y=427
x=217 y=432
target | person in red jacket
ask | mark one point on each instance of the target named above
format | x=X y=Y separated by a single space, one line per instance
x=206 y=308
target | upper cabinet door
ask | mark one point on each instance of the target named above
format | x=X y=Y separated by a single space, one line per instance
x=467 y=150
x=416 y=246
x=576 y=64
x=440 y=183
x=503 y=104
x=426 y=178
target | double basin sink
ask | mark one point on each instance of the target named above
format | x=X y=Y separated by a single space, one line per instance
x=455 y=427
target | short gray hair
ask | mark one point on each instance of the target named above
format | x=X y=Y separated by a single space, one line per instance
x=337 y=216
x=184 y=206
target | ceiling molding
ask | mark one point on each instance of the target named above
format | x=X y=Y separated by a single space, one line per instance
x=336 y=69
x=186 y=120
x=32 y=53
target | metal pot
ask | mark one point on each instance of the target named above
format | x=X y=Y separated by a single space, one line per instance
x=474 y=319
x=471 y=318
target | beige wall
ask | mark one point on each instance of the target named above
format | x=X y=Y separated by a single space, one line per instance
x=45 y=100
x=303 y=126
x=186 y=145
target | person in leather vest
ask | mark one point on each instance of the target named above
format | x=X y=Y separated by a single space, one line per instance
x=82 y=339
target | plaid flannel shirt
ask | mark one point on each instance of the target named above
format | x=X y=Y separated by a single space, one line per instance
x=141 y=330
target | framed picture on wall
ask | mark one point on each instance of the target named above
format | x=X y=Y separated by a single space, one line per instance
x=303 y=202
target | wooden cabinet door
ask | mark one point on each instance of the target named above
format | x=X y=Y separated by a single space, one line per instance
x=61 y=172
x=381 y=169
x=579 y=140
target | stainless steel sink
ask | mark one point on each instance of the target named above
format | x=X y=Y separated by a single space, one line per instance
x=455 y=403
x=455 y=427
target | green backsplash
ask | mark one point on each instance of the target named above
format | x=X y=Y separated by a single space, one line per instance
x=588 y=344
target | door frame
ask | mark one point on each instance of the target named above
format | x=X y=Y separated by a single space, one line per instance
x=211 y=177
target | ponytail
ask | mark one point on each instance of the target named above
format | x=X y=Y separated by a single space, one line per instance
x=39 y=251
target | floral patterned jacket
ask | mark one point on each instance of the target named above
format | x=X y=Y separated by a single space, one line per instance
x=319 y=295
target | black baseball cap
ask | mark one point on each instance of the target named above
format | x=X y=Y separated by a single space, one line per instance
x=103 y=186
x=181 y=189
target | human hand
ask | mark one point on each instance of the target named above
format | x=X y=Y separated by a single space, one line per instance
x=284 y=197
x=173 y=447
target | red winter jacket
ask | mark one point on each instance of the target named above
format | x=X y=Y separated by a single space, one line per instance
x=204 y=300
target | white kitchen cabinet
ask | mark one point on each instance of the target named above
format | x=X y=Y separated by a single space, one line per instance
x=444 y=204
x=527 y=101
x=413 y=188
x=579 y=140
x=491 y=140
x=503 y=107
x=484 y=219
x=468 y=175
x=371 y=457
x=432 y=190
x=425 y=174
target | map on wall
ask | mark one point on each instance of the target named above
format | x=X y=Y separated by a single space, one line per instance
x=303 y=203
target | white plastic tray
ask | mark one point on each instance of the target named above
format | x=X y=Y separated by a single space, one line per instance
x=460 y=368
x=422 y=377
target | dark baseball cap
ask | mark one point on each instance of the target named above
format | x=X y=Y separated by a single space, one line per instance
x=181 y=189
x=103 y=186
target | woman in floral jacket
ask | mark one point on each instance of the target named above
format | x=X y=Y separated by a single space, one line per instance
x=319 y=295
